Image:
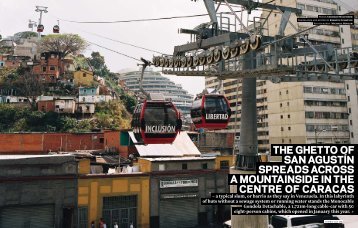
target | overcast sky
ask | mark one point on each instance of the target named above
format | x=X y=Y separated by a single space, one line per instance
x=160 y=36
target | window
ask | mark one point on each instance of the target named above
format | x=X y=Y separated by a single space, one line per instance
x=286 y=91
x=309 y=115
x=84 y=75
x=307 y=89
x=281 y=128
x=289 y=116
x=352 y=136
x=289 y=128
x=290 y=141
x=350 y=122
x=281 y=116
x=82 y=217
x=283 y=140
x=280 y=93
x=341 y=29
x=43 y=69
x=288 y=103
x=342 y=41
x=224 y=164
x=204 y=166
x=347 y=86
x=184 y=166
x=161 y=167
x=120 y=209
x=280 y=104
x=348 y=98
x=52 y=68
x=101 y=140
x=349 y=110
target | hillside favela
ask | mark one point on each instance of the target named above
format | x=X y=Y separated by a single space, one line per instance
x=133 y=114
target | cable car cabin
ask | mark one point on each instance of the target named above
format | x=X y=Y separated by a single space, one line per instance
x=56 y=29
x=211 y=111
x=156 y=122
x=40 y=28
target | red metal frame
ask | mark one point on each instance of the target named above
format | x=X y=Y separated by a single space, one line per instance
x=147 y=140
x=212 y=126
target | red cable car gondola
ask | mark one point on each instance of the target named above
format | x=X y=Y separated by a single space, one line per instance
x=56 y=29
x=211 y=111
x=156 y=122
x=40 y=28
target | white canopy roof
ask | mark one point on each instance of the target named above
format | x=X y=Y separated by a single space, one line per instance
x=182 y=146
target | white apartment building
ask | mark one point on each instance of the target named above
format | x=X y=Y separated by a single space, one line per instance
x=302 y=112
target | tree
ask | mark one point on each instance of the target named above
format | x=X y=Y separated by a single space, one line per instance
x=129 y=101
x=97 y=62
x=24 y=35
x=65 y=43
x=29 y=86
x=112 y=115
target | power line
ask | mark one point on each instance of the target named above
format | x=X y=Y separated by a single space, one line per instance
x=120 y=53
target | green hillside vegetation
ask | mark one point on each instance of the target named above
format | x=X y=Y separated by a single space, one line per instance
x=112 y=115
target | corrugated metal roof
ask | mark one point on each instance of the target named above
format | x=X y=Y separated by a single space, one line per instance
x=182 y=146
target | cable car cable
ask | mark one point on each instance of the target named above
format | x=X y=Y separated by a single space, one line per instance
x=118 y=41
x=140 y=20
x=120 y=53
x=122 y=42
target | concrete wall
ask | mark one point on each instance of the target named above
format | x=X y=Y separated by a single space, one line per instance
x=39 y=181
x=42 y=143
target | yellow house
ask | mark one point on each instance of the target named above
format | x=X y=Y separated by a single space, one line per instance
x=118 y=198
x=83 y=77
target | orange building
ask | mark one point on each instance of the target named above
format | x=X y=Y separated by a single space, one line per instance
x=46 y=106
x=50 y=67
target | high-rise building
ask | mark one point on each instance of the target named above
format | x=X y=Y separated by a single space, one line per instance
x=302 y=112
x=154 y=82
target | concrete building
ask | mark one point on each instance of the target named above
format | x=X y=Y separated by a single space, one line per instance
x=27 y=47
x=118 y=198
x=154 y=82
x=326 y=109
x=38 y=191
x=289 y=112
x=65 y=104
x=176 y=187
x=180 y=177
x=83 y=77
x=91 y=95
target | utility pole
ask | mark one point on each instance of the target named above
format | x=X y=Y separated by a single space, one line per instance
x=41 y=9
